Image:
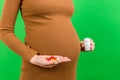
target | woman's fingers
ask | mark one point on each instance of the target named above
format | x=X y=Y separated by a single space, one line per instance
x=48 y=66
x=92 y=44
x=63 y=59
x=93 y=47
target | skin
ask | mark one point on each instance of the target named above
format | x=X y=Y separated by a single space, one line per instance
x=40 y=60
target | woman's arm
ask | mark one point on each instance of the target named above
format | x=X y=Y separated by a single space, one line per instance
x=7 y=23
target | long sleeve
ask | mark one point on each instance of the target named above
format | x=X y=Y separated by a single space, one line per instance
x=7 y=23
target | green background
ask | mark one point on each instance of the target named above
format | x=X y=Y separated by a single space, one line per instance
x=97 y=19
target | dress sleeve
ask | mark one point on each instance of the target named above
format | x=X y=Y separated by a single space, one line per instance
x=7 y=23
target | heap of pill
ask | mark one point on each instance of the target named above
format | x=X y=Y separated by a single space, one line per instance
x=51 y=58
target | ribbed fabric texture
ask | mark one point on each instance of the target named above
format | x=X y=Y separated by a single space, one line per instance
x=7 y=35
x=49 y=31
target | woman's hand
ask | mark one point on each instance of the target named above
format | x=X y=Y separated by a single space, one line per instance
x=45 y=62
x=83 y=47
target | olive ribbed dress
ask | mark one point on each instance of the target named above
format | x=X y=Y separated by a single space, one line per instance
x=49 y=31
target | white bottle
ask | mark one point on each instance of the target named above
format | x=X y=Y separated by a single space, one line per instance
x=87 y=43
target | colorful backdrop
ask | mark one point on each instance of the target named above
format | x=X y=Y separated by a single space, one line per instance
x=97 y=19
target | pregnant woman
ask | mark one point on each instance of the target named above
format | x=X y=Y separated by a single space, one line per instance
x=49 y=34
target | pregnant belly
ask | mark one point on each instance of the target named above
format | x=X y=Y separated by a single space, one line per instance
x=55 y=39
